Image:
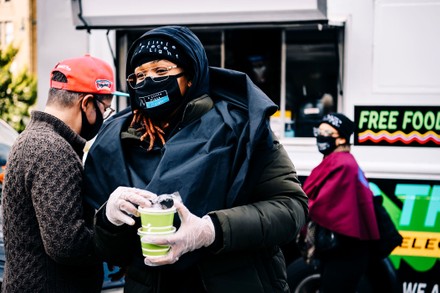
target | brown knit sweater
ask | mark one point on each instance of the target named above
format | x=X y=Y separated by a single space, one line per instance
x=47 y=226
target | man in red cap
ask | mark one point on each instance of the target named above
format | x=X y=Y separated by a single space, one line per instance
x=47 y=225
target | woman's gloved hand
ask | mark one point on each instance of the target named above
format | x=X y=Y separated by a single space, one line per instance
x=194 y=233
x=123 y=203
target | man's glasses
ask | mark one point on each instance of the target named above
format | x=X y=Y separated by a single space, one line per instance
x=157 y=74
x=107 y=109
x=317 y=131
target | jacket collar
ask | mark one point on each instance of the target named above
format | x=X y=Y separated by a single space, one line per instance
x=197 y=108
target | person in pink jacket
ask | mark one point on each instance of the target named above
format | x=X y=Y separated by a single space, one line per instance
x=340 y=200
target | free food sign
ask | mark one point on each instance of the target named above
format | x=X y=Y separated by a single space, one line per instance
x=397 y=126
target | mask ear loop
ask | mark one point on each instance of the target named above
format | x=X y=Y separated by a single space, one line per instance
x=97 y=109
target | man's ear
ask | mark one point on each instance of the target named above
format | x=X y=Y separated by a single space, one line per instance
x=86 y=102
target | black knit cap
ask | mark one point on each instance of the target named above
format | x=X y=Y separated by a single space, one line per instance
x=156 y=48
x=341 y=123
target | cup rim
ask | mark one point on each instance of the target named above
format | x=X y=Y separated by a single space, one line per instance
x=143 y=233
x=143 y=210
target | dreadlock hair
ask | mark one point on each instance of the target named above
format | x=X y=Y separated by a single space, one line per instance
x=148 y=128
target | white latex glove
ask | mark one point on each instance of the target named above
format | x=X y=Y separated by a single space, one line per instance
x=123 y=203
x=194 y=233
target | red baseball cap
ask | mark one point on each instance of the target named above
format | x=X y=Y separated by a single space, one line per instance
x=86 y=74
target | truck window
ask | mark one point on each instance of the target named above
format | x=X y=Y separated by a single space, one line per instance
x=256 y=52
x=312 y=72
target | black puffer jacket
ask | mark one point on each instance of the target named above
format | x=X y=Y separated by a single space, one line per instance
x=225 y=162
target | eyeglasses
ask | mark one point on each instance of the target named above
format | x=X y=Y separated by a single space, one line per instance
x=317 y=131
x=157 y=74
x=107 y=109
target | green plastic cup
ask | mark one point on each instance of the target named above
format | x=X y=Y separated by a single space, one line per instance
x=153 y=219
x=149 y=249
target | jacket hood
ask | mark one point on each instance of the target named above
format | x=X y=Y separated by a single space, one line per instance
x=191 y=47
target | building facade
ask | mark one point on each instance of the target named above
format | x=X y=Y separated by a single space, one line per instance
x=18 y=20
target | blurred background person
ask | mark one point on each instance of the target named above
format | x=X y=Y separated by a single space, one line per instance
x=340 y=200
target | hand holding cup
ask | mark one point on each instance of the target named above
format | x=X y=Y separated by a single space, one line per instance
x=123 y=204
x=194 y=233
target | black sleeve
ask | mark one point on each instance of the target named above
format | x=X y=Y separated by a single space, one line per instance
x=117 y=245
x=276 y=207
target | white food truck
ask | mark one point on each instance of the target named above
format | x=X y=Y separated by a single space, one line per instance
x=377 y=61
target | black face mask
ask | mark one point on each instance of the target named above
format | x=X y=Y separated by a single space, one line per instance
x=159 y=99
x=326 y=144
x=88 y=131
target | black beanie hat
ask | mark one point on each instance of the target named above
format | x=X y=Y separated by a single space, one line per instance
x=156 y=48
x=341 y=123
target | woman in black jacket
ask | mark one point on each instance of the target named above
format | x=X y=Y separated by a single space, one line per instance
x=203 y=132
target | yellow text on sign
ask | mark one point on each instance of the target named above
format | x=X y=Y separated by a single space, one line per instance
x=419 y=244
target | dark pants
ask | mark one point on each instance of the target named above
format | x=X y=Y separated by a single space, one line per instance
x=343 y=267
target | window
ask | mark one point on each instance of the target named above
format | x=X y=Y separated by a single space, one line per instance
x=212 y=41
x=9 y=32
x=312 y=71
x=259 y=57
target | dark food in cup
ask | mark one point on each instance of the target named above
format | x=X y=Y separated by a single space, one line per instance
x=164 y=201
